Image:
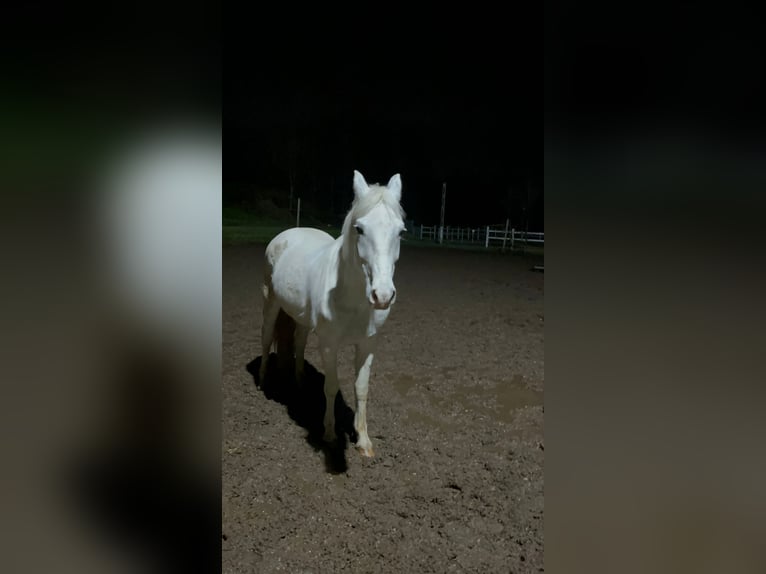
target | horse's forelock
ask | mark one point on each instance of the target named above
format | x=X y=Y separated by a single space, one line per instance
x=363 y=205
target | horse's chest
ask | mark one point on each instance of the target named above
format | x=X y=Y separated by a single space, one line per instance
x=358 y=323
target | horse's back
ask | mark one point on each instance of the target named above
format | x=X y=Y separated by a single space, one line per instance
x=289 y=258
x=296 y=242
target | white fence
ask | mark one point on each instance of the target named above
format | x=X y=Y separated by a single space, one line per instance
x=513 y=236
x=452 y=234
x=428 y=232
x=490 y=234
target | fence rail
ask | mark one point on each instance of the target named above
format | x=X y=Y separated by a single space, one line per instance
x=487 y=235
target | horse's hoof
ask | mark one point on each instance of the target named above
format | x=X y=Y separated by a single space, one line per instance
x=366 y=451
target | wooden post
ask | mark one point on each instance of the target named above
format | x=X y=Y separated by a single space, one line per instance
x=505 y=236
x=444 y=201
x=298 y=218
x=526 y=219
x=486 y=238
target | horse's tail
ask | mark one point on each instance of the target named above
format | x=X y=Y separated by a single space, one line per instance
x=284 y=337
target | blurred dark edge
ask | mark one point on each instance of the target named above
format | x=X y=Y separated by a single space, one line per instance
x=654 y=179
x=78 y=81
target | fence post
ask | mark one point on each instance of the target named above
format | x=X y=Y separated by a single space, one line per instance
x=486 y=238
x=513 y=233
x=505 y=236
x=298 y=216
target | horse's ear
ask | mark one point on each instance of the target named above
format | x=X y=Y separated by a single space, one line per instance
x=360 y=185
x=395 y=186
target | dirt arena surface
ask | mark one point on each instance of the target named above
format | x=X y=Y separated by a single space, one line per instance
x=455 y=414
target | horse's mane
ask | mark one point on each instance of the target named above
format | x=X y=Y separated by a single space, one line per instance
x=363 y=205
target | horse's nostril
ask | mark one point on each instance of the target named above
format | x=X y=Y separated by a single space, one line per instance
x=374 y=295
x=393 y=294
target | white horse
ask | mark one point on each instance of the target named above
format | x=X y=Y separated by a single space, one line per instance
x=340 y=288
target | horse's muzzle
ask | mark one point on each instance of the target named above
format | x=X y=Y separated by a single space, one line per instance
x=382 y=300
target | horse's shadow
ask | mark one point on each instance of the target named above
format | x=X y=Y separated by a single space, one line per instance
x=305 y=405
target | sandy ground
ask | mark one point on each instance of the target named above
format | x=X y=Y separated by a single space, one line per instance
x=455 y=413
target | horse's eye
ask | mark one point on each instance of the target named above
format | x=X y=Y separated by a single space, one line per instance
x=359 y=230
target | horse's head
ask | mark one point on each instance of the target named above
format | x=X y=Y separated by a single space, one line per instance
x=376 y=226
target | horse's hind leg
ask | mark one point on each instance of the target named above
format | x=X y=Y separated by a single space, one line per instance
x=330 y=364
x=270 y=313
x=301 y=336
x=284 y=336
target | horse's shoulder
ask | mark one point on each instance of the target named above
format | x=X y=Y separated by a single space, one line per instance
x=309 y=235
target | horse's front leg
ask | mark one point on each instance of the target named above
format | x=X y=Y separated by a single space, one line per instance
x=330 y=364
x=364 y=356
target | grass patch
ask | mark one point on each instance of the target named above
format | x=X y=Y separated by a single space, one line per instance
x=244 y=235
x=246 y=231
x=243 y=227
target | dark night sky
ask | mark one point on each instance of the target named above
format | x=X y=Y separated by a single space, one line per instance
x=435 y=102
